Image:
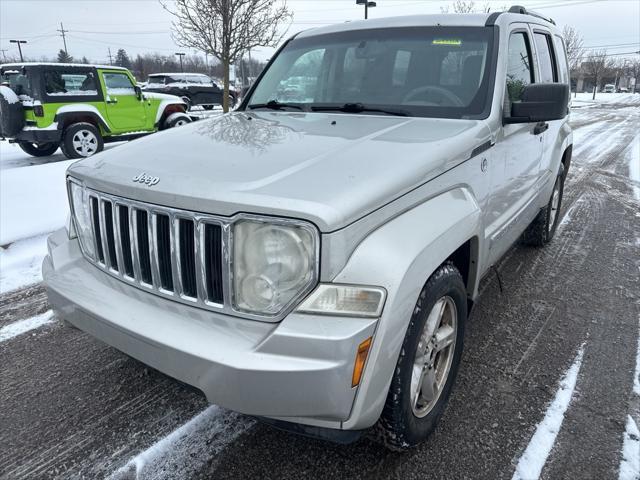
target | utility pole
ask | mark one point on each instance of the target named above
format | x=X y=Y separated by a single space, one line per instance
x=367 y=4
x=64 y=39
x=110 y=58
x=19 y=48
x=181 y=55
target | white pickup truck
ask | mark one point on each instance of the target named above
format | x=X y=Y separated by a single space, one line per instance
x=312 y=258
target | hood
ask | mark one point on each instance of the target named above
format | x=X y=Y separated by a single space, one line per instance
x=330 y=169
x=161 y=96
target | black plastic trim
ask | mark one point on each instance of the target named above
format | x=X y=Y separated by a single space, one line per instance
x=343 y=437
x=491 y=21
x=481 y=148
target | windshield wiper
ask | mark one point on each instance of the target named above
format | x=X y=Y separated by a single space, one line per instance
x=275 y=105
x=358 y=108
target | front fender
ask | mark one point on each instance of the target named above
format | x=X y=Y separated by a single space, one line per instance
x=400 y=256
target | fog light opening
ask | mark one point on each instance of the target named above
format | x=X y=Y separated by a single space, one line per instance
x=361 y=359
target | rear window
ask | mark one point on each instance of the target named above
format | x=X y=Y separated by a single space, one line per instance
x=17 y=81
x=69 y=83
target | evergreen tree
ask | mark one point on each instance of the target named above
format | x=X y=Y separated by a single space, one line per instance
x=64 y=57
x=122 y=59
x=85 y=60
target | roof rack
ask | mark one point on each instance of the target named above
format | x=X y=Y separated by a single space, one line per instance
x=523 y=11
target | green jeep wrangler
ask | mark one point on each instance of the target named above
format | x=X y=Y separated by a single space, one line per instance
x=78 y=108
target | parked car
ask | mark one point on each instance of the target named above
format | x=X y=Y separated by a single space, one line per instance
x=78 y=108
x=193 y=88
x=609 y=88
x=314 y=262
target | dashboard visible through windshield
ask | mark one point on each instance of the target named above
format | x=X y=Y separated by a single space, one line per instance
x=413 y=71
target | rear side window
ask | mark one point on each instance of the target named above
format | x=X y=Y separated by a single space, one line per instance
x=519 y=71
x=563 y=67
x=118 y=84
x=548 y=71
x=69 y=83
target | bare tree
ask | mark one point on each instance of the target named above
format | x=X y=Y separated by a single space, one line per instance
x=574 y=45
x=227 y=28
x=596 y=64
x=469 y=6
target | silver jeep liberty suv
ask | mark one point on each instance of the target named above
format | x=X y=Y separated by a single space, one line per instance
x=311 y=258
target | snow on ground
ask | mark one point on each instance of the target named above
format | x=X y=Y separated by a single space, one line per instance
x=633 y=156
x=180 y=454
x=535 y=456
x=23 y=326
x=630 y=464
x=21 y=263
x=586 y=99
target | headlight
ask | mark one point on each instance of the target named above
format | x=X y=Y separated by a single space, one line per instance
x=82 y=217
x=273 y=264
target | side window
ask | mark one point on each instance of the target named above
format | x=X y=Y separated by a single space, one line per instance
x=118 y=84
x=548 y=71
x=563 y=64
x=519 y=71
x=59 y=83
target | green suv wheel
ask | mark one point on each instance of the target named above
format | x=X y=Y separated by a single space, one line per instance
x=38 y=149
x=81 y=140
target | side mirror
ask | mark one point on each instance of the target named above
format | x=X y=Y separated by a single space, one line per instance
x=541 y=102
x=138 y=92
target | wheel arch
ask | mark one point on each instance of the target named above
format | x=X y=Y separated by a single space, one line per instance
x=166 y=108
x=401 y=256
x=70 y=114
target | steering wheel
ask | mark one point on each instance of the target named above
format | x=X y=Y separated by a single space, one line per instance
x=442 y=92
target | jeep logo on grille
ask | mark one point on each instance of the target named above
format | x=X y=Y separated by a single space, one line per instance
x=146 y=179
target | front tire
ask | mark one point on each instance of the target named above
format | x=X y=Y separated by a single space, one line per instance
x=39 y=149
x=428 y=362
x=544 y=226
x=81 y=140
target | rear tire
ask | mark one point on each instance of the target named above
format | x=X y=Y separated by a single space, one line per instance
x=544 y=226
x=39 y=149
x=177 y=119
x=428 y=362
x=81 y=140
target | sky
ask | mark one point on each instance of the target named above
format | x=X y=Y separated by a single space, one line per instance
x=143 y=26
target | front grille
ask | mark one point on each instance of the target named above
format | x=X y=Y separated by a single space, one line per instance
x=170 y=252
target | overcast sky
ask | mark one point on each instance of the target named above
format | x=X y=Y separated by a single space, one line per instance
x=142 y=26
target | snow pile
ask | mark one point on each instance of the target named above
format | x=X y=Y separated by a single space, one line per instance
x=73 y=93
x=586 y=99
x=9 y=94
x=33 y=201
x=630 y=464
x=21 y=263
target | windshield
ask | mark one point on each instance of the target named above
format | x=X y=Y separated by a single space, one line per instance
x=426 y=71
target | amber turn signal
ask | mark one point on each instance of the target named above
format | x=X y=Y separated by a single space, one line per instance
x=361 y=359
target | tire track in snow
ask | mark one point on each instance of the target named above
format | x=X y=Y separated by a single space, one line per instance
x=535 y=455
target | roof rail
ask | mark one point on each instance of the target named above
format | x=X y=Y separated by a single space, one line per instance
x=523 y=11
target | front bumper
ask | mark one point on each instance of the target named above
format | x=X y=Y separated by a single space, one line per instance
x=298 y=370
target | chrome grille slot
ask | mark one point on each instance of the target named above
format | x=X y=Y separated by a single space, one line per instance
x=110 y=234
x=187 y=256
x=144 y=255
x=164 y=251
x=125 y=240
x=97 y=231
x=213 y=262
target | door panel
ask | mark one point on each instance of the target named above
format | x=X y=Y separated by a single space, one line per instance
x=516 y=168
x=125 y=111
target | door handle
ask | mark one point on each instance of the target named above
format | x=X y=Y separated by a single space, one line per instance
x=540 y=128
x=115 y=100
